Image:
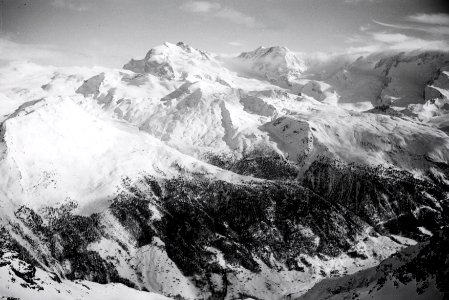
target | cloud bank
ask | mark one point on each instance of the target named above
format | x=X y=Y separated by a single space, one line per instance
x=414 y=32
x=435 y=19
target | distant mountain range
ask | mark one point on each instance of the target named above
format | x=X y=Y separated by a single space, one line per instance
x=268 y=175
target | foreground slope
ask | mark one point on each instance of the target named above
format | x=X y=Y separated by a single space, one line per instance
x=21 y=280
x=416 y=272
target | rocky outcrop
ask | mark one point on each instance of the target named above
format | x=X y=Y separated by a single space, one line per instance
x=387 y=199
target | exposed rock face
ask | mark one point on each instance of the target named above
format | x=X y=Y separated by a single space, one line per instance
x=438 y=85
x=214 y=232
x=384 y=198
x=91 y=86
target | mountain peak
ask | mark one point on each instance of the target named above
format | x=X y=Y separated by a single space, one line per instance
x=184 y=46
x=263 y=51
x=276 y=63
x=176 y=61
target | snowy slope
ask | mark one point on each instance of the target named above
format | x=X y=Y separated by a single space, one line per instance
x=278 y=65
x=24 y=281
x=53 y=150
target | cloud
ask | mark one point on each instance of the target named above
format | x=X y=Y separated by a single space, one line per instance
x=390 y=38
x=419 y=44
x=217 y=10
x=404 y=36
x=399 y=41
x=434 y=30
x=200 y=6
x=414 y=32
x=235 y=43
x=364 y=28
x=76 y=5
x=41 y=54
x=434 y=19
x=358 y=1
x=388 y=41
x=237 y=17
x=10 y=50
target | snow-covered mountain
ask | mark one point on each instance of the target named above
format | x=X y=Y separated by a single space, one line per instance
x=278 y=65
x=192 y=175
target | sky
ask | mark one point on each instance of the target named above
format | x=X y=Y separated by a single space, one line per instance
x=110 y=32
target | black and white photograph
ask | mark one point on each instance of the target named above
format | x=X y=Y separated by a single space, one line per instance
x=224 y=149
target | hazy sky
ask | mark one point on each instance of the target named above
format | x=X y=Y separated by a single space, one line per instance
x=110 y=32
